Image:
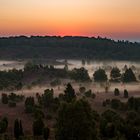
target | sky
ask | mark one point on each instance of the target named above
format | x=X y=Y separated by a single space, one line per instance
x=116 y=19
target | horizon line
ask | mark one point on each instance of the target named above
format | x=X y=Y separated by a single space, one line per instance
x=62 y=36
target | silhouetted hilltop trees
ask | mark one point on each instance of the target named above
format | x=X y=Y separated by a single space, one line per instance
x=67 y=47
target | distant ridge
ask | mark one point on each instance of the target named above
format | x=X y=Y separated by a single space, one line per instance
x=67 y=47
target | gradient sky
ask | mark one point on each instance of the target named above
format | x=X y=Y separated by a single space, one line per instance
x=117 y=19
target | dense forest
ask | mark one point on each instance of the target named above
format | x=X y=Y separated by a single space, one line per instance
x=67 y=47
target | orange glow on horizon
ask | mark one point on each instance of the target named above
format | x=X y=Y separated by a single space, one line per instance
x=110 y=18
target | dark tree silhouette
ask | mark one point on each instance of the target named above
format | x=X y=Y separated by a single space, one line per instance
x=69 y=93
x=75 y=121
x=115 y=74
x=16 y=129
x=80 y=74
x=129 y=76
x=126 y=94
x=20 y=129
x=38 y=126
x=116 y=92
x=46 y=133
x=3 y=125
x=4 y=98
x=100 y=75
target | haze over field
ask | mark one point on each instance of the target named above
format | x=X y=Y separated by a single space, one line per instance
x=117 y=19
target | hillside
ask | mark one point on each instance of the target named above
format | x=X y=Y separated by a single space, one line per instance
x=54 y=47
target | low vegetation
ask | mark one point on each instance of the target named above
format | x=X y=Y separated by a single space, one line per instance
x=73 y=117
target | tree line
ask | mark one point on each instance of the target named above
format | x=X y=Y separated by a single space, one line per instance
x=68 y=47
x=16 y=79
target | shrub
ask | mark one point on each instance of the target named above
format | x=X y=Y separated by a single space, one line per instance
x=82 y=89
x=47 y=97
x=12 y=96
x=106 y=102
x=131 y=103
x=4 y=98
x=29 y=101
x=69 y=93
x=38 y=126
x=88 y=93
x=3 y=125
x=16 y=98
x=29 y=105
x=18 y=130
x=116 y=92
x=134 y=103
x=125 y=93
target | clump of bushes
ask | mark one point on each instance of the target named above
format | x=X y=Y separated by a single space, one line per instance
x=88 y=93
x=40 y=130
x=3 y=125
x=29 y=104
x=4 y=98
x=116 y=92
x=106 y=102
x=15 y=97
x=18 y=129
x=82 y=89
x=126 y=94
x=11 y=79
x=47 y=99
x=12 y=97
x=134 y=104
